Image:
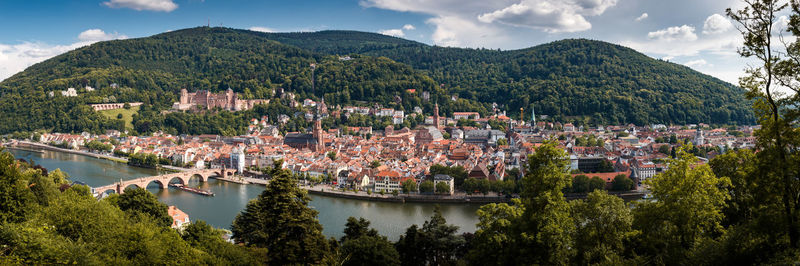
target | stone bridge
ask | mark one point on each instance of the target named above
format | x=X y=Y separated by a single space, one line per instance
x=164 y=180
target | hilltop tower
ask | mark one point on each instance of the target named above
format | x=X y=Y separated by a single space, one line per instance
x=184 y=96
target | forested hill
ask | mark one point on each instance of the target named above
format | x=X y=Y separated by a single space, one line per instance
x=573 y=77
x=580 y=80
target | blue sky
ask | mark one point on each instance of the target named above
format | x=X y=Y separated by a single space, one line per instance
x=691 y=32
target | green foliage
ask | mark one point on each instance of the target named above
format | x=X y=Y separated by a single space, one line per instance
x=426 y=186
x=148 y=160
x=580 y=184
x=332 y=155
x=457 y=172
x=436 y=243
x=280 y=221
x=362 y=245
x=139 y=201
x=603 y=225
x=686 y=207
x=545 y=221
x=441 y=188
x=495 y=239
x=622 y=183
x=72 y=227
x=95 y=145
x=409 y=185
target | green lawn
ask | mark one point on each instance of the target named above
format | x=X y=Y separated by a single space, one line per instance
x=127 y=115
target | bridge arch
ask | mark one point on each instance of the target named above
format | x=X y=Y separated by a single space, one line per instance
x=131 y=185
x=157 y=181
x=197 y=176
x=171 y=179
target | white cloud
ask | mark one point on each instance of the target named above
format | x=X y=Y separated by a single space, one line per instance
x=393 y=32
x=139 y=5
x=16 y=57
x=409 y=27
x=542 y=15
x=695 y=63
x=458 y=32
x=716 y=24
x=681 y=33
x=490 y=23
x=642 y=17
x=96 y=35
x=262 y=29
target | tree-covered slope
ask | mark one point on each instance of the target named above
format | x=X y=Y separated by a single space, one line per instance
x=580 y=80
x=574 y=77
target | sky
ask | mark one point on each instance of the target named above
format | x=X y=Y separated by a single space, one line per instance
x=695 y=33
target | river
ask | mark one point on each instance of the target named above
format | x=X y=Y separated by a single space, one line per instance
x=390 y=219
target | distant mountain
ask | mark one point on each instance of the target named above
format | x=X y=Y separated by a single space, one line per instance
x=580 y=80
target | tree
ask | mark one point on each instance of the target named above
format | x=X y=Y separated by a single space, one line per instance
x=664 y=149
x=409 y=185
x=545 y=221
x=777 y=66
x=484 y=185
x=136 y=201
x=502 y=141
x=332 y=155
x=605 y=166
x=281 y=221
x=14 y=195
x=685 y=208
x=603 y=224
x=426 y=186
x=622 y=183
x=496 y=236
x=596 y=183
x=580 y=184
x=436 y=243
x=362 y=245
x=442 y=188
x=374 y=164
x=126 y=106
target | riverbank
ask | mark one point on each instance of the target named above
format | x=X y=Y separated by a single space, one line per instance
x=458 y=198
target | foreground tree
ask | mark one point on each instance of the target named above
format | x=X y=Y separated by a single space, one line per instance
x=436 y=243
x=602 y=228
x=777 y=66
x=362 y=245
x=139 y=201
x=546 y=225
x=281 y=221
x=685 y=209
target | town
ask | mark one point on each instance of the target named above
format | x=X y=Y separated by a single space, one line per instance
x=464 y=151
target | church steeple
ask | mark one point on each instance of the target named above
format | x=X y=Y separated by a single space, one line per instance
x=317 y=131
x=436 y=115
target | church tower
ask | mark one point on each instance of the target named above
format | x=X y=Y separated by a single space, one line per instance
x=317 y=132
x=436 y=115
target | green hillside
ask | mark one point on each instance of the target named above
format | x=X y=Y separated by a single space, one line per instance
x=581 y=80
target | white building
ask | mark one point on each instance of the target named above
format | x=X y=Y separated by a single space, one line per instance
x=238 y=160
x=70 y=92
x=443 y=179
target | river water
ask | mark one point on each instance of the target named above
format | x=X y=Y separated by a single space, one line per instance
x=390 y=219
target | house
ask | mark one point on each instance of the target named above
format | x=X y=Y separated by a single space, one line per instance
x=466 y=115
x=179 y=218
x=387 y=181
x=444 y=179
